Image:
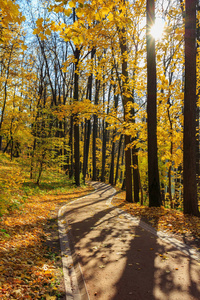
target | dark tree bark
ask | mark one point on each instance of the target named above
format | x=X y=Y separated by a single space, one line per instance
x=128 y=173
x=5 y=94
x=104 y=131
x=122 y=176
x=71 y=133
x=171 y=152
x=87 y=124
x=125 y=100
x=136 y=175
x=105 y=136
x=76 y=125
x=153 y=174
x=71 y=166
x=111 y=177
x=95 y=125
x=190 y=202
x=197 y=117
x=87 y=133
x=118 y=156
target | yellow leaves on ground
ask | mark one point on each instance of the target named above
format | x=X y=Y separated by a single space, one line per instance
x=27 y=271
x=162 y=218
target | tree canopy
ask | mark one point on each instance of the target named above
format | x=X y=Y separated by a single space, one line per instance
x=75 y=90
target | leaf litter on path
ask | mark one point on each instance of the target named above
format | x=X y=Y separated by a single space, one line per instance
x=164 y=219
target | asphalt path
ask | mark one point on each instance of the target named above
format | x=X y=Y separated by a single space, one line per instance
x=109 y=255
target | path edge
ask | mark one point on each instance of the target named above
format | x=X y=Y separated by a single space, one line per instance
x=74 y=282
x=75 y=285
x=181 y=246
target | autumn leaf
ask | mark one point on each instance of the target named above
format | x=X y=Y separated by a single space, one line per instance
x=24 y=251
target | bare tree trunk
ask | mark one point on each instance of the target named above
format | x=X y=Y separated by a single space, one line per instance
x=126 y=99
x=136 y=175
x=190 y=201
x=103 y=152
x=105 y=135
x=111 y=177
x=136 y=184
x=76 y=125
x=118 y=156
x=197 y=116
x=153 y=174
x=95 y=125
x=87 y=123
x=5 y=94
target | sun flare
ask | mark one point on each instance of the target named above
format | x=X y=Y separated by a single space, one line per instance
x=157 y=29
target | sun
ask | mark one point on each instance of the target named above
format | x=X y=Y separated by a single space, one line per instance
x=157 y=29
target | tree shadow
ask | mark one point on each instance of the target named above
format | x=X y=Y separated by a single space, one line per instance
x=121 y=260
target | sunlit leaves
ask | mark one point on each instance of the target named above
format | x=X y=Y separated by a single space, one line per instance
x=161 y=218
x=27 y=268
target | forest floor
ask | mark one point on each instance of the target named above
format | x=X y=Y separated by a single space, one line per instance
x=30 y=260
x=184 y=227
x=30 y=257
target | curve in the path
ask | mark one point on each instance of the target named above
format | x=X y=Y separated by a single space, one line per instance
x=102 y=238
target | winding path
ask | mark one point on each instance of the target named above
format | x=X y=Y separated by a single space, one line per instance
x=109 y=255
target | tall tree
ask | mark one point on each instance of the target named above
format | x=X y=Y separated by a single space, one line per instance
x=189 y=135
x=88 y=122
x=125 y=99
x=153 y=174
x=95 y=124
x=76 y=125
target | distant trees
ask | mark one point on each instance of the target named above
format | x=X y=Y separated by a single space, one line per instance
x=89 y=97
x=11 y=43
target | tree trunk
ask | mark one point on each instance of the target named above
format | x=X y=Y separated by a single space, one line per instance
x=118 y=156
x=76 y=125
x=1 y=142
x=95 y=125
x=87 y=133
x=197 y=116
x=136 y=176
x=128 y=173
x=103 y=152
x=87 y=123
x=111 y=177
x=153 y=174
x=105 y=136
x=190 y=201
x=5 y=93
x=125 y=100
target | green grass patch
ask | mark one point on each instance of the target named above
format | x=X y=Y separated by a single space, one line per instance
x=16 y=185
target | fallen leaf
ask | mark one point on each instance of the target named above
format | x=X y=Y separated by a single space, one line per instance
x=48 y=297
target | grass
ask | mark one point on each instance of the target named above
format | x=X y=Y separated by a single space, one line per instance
x=16 y=186
x=30 y=259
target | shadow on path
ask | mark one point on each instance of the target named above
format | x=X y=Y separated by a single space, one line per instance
x=122 y=261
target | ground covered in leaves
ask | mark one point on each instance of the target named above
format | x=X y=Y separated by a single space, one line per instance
x=30 y=260
x=183 y=227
